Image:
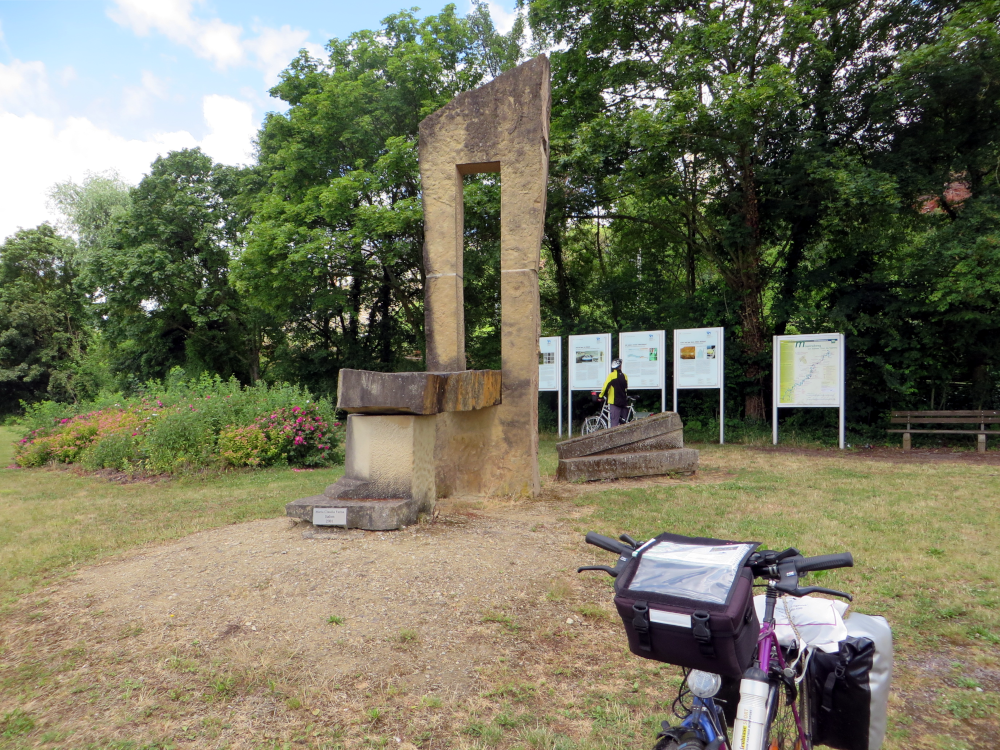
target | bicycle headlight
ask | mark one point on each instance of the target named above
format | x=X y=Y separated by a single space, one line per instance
x=703 y=684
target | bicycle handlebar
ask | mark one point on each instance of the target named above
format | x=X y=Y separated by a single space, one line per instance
x=607 y=543
x=825 y=562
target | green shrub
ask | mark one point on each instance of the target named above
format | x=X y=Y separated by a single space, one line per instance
x=119 y=451
x=184 y=424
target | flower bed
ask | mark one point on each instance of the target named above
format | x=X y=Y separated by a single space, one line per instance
x=187 y=424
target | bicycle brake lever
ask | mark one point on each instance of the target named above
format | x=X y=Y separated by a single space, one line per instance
x=604 y=568
x=821 y=590
x=630 y=541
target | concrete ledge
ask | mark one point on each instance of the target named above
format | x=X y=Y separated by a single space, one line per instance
x=621 y=439
x=622 y=465
x=373 y=515
x=418 y=393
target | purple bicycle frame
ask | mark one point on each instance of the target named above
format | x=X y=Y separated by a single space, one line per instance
x=766 y=641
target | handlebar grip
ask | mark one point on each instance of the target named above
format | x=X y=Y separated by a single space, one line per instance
x=825 y=562
x=606 y=542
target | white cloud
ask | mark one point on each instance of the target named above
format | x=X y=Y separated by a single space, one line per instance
x=38 y=152
x=212 y=38
x=137 y=101
x=503 y=19
x=273 y=49
x=23 y=86
x=231 y=129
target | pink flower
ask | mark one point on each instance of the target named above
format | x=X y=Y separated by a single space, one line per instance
x=299 y=440
x=64 y=421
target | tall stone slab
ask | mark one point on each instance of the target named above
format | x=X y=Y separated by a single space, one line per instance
x=500 y=127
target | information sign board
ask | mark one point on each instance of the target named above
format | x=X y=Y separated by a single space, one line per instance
x=698 y=358
x=589 y=361
x=642 y=358
x=808 y=372
x=550 y=363
x=550 y=370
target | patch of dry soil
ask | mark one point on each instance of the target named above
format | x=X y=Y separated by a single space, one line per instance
x=264 y=583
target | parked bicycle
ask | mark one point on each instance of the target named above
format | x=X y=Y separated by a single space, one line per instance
x=602 y=421
x=689 y=601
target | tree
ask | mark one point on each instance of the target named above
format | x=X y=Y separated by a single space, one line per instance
x=43 y=317
x=162 y=273
x=92 y=208
x=335 y=246
x=731 y=134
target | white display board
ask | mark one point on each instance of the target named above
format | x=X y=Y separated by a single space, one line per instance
x=550 y=369
x=550 y=363
x=698 y=357
x=589 y=365
x=700 y=362
x=589 y=361
x=642 y=355
x=808 y=372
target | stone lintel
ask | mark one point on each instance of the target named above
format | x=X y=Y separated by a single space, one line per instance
x=418 y=393
x=620 y=439
x=623 y=465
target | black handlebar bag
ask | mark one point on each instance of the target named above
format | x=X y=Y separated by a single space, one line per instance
x=689 y=601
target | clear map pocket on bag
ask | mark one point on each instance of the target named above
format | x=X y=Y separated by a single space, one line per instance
x=697 y=572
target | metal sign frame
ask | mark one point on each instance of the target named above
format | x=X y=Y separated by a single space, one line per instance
x=720 y=364
x=557 y=350
x=660 y=338
x=776 y=377
x=600 y=339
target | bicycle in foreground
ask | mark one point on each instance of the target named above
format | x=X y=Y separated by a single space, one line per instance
x=771 y=709
x=602 y=421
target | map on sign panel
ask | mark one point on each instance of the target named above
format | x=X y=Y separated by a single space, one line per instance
x=809 y=372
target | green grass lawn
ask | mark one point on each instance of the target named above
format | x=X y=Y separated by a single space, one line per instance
x=924 y=538
x=7 y=437
x=52 y=520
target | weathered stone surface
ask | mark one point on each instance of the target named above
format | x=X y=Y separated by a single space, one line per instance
x=421 y=393
x=373 y=515
x=500 y=127
x=654 y=432
x=389 y=470
x=622 y=465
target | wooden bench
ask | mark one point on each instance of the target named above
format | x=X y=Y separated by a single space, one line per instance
x=979 y=417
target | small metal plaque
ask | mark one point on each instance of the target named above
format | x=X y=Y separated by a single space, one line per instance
x=329 y=516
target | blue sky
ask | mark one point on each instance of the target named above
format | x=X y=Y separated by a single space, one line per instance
x=88 y=86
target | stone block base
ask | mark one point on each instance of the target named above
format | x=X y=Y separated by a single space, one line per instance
x=622 y=465
x=373 y=515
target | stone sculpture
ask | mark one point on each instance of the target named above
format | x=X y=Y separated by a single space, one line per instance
x=645 y=447
x=414 y=437
x=500 y=127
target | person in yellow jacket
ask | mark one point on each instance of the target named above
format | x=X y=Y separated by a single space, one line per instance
x=616 y=392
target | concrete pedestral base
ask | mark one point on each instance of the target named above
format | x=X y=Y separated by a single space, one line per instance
x=372 y=515
x=388 y=475
x=622 y=465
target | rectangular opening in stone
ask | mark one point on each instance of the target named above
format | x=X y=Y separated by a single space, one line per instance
x=481 y=270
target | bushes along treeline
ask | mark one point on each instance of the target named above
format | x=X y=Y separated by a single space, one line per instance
x=182 y=425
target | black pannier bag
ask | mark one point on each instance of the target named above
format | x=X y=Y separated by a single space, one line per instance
x=848 y=691
x=689 y=601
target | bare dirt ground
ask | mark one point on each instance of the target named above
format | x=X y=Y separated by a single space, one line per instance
x=469 y=632
x=270 y=631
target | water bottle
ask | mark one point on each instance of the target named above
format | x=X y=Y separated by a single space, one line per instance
x=748 y=731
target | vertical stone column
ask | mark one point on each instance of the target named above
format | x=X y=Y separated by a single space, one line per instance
x=502 y=126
